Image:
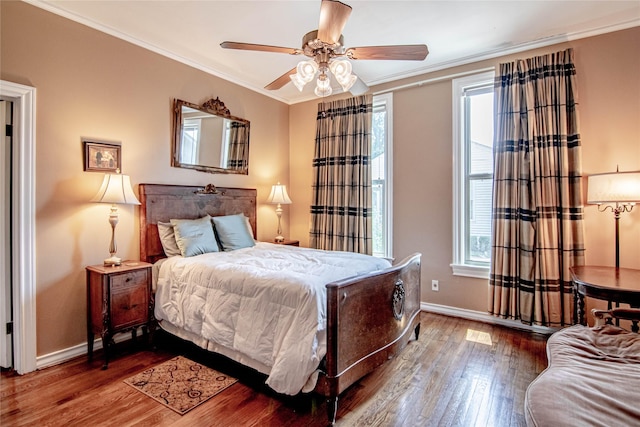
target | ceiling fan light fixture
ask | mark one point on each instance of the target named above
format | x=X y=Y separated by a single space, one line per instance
x=341 y=69
x=323 y=86
x=298 y=81
x=307 y=70
x=348 y=82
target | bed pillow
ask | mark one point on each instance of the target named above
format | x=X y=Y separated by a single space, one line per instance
x=168 y=239
x=233 y=232
x=194 y=236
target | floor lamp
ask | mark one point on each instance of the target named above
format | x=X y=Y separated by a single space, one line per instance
x=617 y=191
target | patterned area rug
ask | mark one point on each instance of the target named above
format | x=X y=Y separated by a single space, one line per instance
x=180 y=384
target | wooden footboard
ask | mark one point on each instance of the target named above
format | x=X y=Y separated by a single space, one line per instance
x=370 y=319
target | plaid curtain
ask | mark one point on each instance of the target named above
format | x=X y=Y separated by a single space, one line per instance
x=341 y=209
x=238 y=157
x=537 y=206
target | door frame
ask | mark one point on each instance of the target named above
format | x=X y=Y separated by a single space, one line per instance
x=24 y=224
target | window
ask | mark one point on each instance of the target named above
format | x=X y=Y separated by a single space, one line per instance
x=473 y=174
x=190 y=141
x=381 y=173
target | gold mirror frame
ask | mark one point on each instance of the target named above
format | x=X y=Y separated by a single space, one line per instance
x=235 y=137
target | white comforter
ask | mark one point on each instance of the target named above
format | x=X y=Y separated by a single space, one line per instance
x=267 y=302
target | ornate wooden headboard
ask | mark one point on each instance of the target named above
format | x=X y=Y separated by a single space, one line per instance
x=160 y=202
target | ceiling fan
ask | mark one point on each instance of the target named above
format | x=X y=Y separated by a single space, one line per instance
x=325 y=47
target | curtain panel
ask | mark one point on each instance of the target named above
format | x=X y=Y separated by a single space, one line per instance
x=341 y=205
x=537 y=210
x=238 y=157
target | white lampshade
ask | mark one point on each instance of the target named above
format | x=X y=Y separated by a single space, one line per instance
x=614 y=187
x=116 y=188
x=279 y=195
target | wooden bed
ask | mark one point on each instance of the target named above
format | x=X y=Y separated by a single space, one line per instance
x=370 y=318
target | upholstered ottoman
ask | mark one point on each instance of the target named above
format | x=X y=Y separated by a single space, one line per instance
x=593 y=379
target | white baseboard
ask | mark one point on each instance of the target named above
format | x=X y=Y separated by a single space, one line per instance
x=483 y=317
x=64 y=355
x=61 y=356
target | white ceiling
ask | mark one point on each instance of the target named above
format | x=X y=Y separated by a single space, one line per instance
x=456 y=32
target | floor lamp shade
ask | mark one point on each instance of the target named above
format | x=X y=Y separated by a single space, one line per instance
x=618 y=191
x=115 y=189
x=280 y=197
x=614 y=187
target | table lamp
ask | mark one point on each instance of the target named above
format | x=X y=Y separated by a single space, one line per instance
x=115 y=189
x=621 y=189
x=280 y=197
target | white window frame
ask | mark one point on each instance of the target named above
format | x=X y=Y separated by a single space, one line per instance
x=459 y=266
x=387 y=99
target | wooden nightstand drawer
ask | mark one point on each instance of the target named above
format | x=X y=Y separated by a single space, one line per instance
x=129 y=304
x=128 y=280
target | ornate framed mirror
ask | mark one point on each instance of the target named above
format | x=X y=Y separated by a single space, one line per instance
x=208 y=138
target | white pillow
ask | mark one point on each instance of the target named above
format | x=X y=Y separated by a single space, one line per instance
x=168 y=239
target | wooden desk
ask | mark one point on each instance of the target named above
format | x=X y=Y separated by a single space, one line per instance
x=620 y=285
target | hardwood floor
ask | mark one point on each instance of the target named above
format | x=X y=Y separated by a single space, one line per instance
x=452 y=376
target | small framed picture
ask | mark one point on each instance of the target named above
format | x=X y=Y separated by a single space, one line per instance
x=101 y=156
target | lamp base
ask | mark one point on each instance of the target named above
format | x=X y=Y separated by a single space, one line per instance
x=279 y=239
x=112 y=261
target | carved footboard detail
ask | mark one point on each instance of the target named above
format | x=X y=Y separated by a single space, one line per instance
x=370 y=319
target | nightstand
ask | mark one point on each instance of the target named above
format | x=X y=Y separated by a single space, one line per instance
x=119 y=299
x=289 y=242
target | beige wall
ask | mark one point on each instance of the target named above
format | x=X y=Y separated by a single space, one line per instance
x=90 y=84
x=94 y=85
x=608 y=67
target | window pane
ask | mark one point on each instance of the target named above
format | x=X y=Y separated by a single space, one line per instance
x=479 y=222
x=473 y=173
x=481 y=133
x=380 y=176
x=378 y=218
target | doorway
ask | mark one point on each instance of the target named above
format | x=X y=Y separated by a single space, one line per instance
x=22 y=229
x=6 y=317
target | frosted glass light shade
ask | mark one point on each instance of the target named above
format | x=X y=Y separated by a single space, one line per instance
x=341 y=69
x=298 y=81
x=307 y=70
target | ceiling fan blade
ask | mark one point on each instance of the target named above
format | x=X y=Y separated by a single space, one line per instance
x=260 y=47
x=408 y=52
x=333 y=18
x=281 y=81
x=359 y=88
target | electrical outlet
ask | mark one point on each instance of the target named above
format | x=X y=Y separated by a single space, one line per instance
x=435 y=285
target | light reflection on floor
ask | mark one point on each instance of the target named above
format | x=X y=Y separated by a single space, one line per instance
x=479 y=337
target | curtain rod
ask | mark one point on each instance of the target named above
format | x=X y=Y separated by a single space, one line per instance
x=433 y=80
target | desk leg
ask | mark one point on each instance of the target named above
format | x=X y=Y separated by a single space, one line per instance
x=581 y=317
x=575 y=306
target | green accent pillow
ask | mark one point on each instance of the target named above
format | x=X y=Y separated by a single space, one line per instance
x=233 y=232
x=194 y=236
